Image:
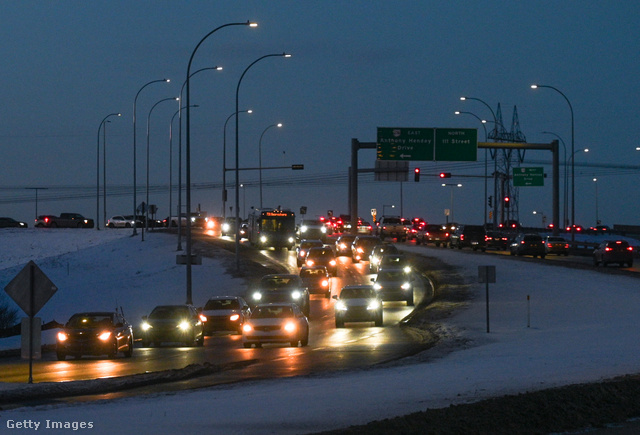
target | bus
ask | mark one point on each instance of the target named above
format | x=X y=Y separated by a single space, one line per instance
x=272 y=228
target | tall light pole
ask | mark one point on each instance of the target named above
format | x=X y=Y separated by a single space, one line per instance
x=384 y=206
x=36 y=190
x=188 y=149
x=180 y=107
x=571 y=162
x=279 y=125
x=486 y=198
x=595 y=181
x=224 y=161
x=452 y=185
x=135 y=103
x=237 y=184
x=573 y=178
x=566 y=178
x=146 y=223
x=104 y=170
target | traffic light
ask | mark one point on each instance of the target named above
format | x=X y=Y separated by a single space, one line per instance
x=490 y=200
x=445 y=174
x=507 y=201
x=416 y=174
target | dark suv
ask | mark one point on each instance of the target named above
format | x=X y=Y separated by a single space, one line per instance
x=528 y=244
x=613 y=251
x=173 y=323
x=469 y=236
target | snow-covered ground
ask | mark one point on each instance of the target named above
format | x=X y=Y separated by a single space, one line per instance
x=583 y=327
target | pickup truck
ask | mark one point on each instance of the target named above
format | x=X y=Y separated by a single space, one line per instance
x=65 y=220
x=390 y=226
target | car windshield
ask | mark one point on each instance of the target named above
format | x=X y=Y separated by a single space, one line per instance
x=391 y=260
x=321 y=253
x=532 y=238
x=392 y=221
x=357 y=293
x=169 y=312
x=391 y=275
x=268 y=312
x=90 y=321
x=279 y=282
x=555 y=239
x=368 y=242
x=222 y=304
x=312 y=273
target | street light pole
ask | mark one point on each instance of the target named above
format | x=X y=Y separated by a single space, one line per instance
x=566 y=179
x=104 y=146
x=573 y=178
x=36 y=189
x=279 y=125
x=188 y=150
x=146 y=223
x=595 y=180
x=237 y=170
x=224 y=161
x=135 y=103
x=452 y=185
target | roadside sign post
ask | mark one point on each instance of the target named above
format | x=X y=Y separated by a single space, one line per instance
x=486 y=275
x=31 y=289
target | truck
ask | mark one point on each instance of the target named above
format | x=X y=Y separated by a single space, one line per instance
x=392 y=226
x=65 y=220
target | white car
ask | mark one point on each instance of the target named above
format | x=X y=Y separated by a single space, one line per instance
x=358 y=303
x=276 y=323
x=120 y=222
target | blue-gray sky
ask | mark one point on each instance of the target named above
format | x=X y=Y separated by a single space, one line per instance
x=356 y=66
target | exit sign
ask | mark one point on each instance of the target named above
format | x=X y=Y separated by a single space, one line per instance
x=525 y=177
x=427 y=144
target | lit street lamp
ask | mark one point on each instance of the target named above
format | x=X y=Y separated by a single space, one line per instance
x=104 y=170
x=237 y=205
x=135 y=103
x=188 y=151
x=279 y=125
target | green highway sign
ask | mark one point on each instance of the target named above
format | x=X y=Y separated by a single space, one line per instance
x=405 y=143
x=524 y=177
x=427 y=144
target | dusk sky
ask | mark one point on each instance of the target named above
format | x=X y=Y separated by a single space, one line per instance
x=355 y=66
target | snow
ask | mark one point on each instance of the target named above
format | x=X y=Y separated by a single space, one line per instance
x=583 y=327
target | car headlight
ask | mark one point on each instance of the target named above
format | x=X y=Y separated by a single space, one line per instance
x=104 y=336
x=323 y=230
x=289 y=327
x=291 y=240
x=234 y=317
x=257 y=296
x=226 y=227
x=247 y=328
x=405 y=286
x=309 y=263
x=375 y=260
x=377 y=286
x=302 y=253
x=373 y=305
x=332 y=262
x=146 y=326
x=62 y=336
x=263 y=239
x=407 y=269
x=325 y=283
x=341 y=306
x=184 y=325
x=296 y=294
x=303 y=229
x=211 y=224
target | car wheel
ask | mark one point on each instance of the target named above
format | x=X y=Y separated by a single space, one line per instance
x=328 y=294
x=129 y=352
x=111 y=225
x=378 y=321
x=127 y=225
x=305 y=340
x=595 y=262
x=247 y=344
x=114 y=351
x=200 y=342
x=339 y=323
x=410 y=301
x=542 y=256
x=630 y=263
x=61 y=356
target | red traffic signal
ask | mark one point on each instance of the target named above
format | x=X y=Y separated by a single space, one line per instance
x=416 y=174
x=507 y=201
x=445 y=174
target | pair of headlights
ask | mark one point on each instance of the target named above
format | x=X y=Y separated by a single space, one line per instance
x=372 y=305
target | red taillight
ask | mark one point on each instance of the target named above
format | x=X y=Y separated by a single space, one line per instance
x=461 y=236
x=608 y=249
x=629 y=248
x=46 y=219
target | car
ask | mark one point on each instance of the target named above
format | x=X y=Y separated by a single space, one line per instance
x=173 y=324
x=528 y=244
x=95 y=333
x=358 y=303
x=119 y=222
x=392 y=226
x=469 y=236
x=600 y=229
x=364 y=228
x=394 y=285
x=377 y=252
x=312 y=229
x=7 y=222
x=276 y=323
x=225 y=313
x=496 y=240
x=436 y=234
x=362 y=246
x=556 y=245
x=228 y=226
x=322 y=256
x=343 y=245
x=303 y=248
x=281 y=288
x=574 y=229
x=317 y=279
x=394 y=261
x=613 y=251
